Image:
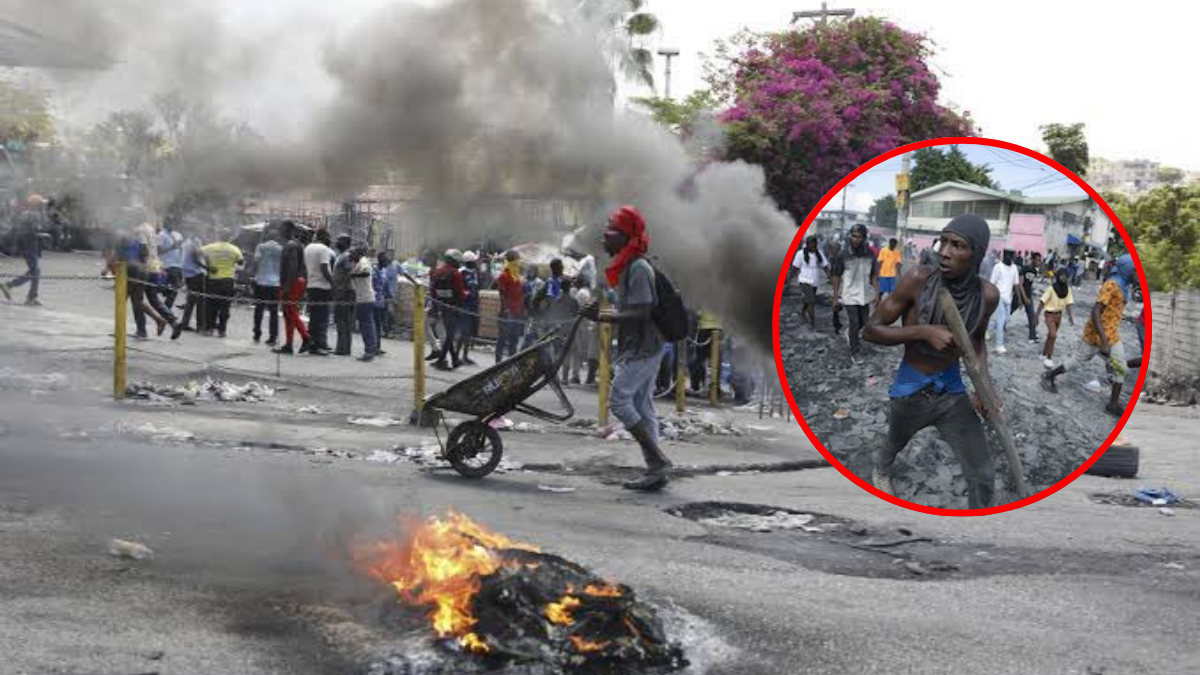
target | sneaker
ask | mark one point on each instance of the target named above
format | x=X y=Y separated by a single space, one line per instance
x=1047 y=363
x=366 y=358
x=441 y=365
x=647 y=483
x=1034 y=341
x=882 y=482
x=1048 y=383
x=1001 y=349
x=856 y=359
x=5 y=291
x=286 y=350
x=32 y=302
x=1094 y=386
x=468 y=362
x=433 y=356
x=258 y=338
x=380 y=352
x=177 y=331
x=318 y=351
x=271 y=343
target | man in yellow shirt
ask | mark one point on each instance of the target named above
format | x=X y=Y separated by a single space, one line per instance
x=1102 y=334
x=222 y=259
x=889 y=269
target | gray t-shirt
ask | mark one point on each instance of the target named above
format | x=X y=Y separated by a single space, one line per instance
x=637 y=339
x=266 y=263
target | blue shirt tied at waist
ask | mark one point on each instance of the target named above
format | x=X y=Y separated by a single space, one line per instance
x=911 y=381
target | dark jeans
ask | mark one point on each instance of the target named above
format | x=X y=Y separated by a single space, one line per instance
x=136 y=290
x=318 y=316
x=509 y=341
x=960 y=427
x=266 y=301
x=343 y=321
x=196 y=286
x=174 y=283
x=857 y=315
x=451 y=319
x=367 y=328
x=154 y=297
x=1031 y=315
x=32 y=275
x=382 y=323
x=222 y=291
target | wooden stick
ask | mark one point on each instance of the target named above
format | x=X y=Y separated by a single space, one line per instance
x=983 y=388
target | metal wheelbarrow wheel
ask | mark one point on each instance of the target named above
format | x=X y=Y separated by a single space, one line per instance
x=474 y=449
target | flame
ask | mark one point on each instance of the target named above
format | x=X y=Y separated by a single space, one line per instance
x=440 y=566
x=605 y=591
x=583 y=646
x=560 y=612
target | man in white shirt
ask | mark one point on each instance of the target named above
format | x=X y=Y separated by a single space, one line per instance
x=318 y=261
x=1006 y=278
x=807 y=265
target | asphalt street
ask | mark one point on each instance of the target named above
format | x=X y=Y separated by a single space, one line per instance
x=248 y=505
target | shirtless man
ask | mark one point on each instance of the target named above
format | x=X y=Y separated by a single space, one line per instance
x=929 y=389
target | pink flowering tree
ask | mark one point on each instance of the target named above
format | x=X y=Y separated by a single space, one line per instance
x=811 y=106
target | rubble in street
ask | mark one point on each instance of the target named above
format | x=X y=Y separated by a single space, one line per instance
x=208 y=390
x=847 y=405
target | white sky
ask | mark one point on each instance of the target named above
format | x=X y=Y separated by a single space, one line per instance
x=1013 y=65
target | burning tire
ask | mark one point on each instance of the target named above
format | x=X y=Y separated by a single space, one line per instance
x=474 y=449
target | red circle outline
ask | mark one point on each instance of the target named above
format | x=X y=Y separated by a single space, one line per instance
x=791 y=252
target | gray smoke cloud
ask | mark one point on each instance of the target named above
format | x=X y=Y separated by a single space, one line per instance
x=465 y=98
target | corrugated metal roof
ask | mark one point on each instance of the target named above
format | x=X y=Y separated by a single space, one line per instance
x=1028 y=201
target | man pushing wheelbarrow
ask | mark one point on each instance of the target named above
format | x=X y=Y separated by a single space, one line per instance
x=474 y=448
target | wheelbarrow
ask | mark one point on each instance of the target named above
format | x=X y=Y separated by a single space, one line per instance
x=474 y=447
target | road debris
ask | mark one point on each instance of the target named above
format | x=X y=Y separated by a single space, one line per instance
x=376 y=422
x=208 y=390
x=131 y=550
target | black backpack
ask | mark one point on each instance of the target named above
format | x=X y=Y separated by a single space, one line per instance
x=669 y=314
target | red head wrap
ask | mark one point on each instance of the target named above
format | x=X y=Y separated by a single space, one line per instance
x=629 y=222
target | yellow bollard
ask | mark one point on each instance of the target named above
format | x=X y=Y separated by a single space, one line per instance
x=419 y=352
x=714 y=374
x=681 y=374
x=119 y=332
x=605 y=367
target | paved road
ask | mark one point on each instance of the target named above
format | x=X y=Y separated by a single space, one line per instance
x=244 y=580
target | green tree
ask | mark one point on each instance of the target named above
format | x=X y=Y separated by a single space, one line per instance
x=626 y=45
x=25 y=115
x=936 y=165
x=1170 y=175
x=1067 y=145
x=1164 y=225
x=883 y=212
x=679 y=116
x=809 y=106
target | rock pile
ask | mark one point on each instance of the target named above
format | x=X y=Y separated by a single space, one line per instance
x=847 y=405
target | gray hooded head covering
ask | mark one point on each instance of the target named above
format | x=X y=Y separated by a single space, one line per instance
x=966 y=290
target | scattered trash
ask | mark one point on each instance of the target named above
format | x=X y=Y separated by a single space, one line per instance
x=376 y=422
x=339 y=454
x=1156 y=496
x=208 y=390
x=502 y=424
x=529 y=428
x=383 y=457
x=556 y=488
x=1094 y=386
x=158 y=434
x=841 y=413
x=129 y=549
x=780 y=520
x=916 y=568
x=311 y=410
x=1167 y=511
x=1173 y=566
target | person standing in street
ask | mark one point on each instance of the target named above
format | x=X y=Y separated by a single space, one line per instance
x=808 y=265
x=1056 y=300
x=29 y=226
x=362 y=285
x=889 y=269
x=449 y=292
x=195 y=277
x=640 y=346
x=512 y=306
x=1007 y=279
x=268 y=256
x=170 y=253
x=469 y=327
x=1029 y=274
x=223 y=259
x=318 y=262
x=853 y=275
x=293 y=282
x=343 y=295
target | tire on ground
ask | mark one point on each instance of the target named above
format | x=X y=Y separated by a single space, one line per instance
x=1119 y=461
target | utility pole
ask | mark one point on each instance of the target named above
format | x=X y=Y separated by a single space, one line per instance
x=902 y=203
x=822 y=14
x=844 y=206
x=669 y=53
